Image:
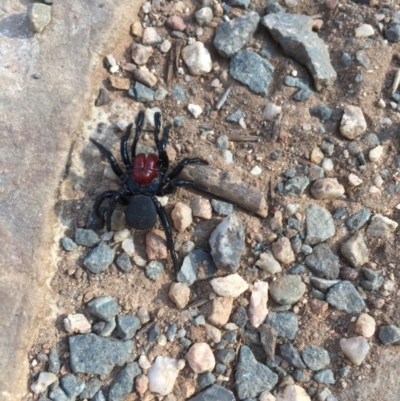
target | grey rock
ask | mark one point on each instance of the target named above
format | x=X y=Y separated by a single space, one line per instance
x=294 y=33
x=68 y=244
x=355 y=250
x=371 y=139
x=127 y=326
x=124 y=262
x=325 y=377
x=54 y=361
x=346 y=60
x=374 y=280
x=99 y=259
x=197 y=265
x=287 y=290
x=274 y=7
x=153 y=333
x=285 y=324
x=297 y=269
x=185 y=342
x=122 y=385
x=220 y=369
x=179 y=121
x=323 y=262
x=363 y=59
x=252 y=377
x=303 y=94
x=56 y=393
x=340 y=213
x=72 y=385
x=108 y=328
x=296 y=185
x=240 y=3
x=141 y=93
x=392 y=34
x=222 y=208
x=222 y=142
x=227 y=243
x=199 y=321
x=344 y=296
x=323 y=284
x=295 y=82
x=92 y=386
x=206 y=380
x=290 y=354
x=319 y=225
x=232 y=35
x=97 y=355
x=358 y=220
x=39 y=15
x=343 y=372
x=235 y=117
x=226 y=356
x=214 y=393
x=389 y=335
x=103 y=98
x=327 y=146
x=86 y=237
x=154 y=270
x=171 y=332
x=99 y=396
x=322 y=112
x=316 y=358
x=104 y=308
x=178 y=93
x=301 y=376
x=252 y=70
x=315 y=172
x=240 y=317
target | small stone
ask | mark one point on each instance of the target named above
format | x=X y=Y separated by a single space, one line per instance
x=355 y=250
x=327 y=188
x=376 y=153
x=72 y=385
x=154 y=270
x=268 y=263
x=201 y=208
x=140 y=54
x=285 y=324
x=325 y=377
x=392 y=34
x=222 y=208
x=287 y=290
x=119 y=82
x=271 y=111
x=137 y=29
x=221 y=310
x=389 y=335
x=163 y=374
x=105 y=308
x=293 y=392
x=353 y=122
x=197 y=58
x=156 y=245
x=99 y=259
x=290 y=354
x=364 y=31
x=323 y=262
x=181 y=216
x=179 y=293
x=206 y=380
x=150 y=37
x=141 y=384
x=345 y=297
x=204 y=16
x=316 y=155
x=296 y=185
x=355 y=348
x=86 y=237
x=43 y=382
x=317 y=306
x=213 y=333
x=322 y=112
x=40 y=16
x=354 y=180
x=200 y=358
x=76 y=324
x=316 y=358
x=365 y=325
x=214 y=393
x=68 y=244
x=195 y=110
x=93 y=385
x=176 y=23
x=319 y=225
x=229 y=286
x=258 y=303
x=256 y=170
x=381 y=226
x=282 y=251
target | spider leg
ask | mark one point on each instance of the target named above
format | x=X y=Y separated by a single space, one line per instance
x=124 y=148
x=108 y=194
x=179 y=183
x=111 y=159
x=139 y=121
x=116 y=197
x=163 y=162
x=177 y=170
x=167 y=228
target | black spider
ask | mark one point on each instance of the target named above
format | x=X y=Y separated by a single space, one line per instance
x=145 y=179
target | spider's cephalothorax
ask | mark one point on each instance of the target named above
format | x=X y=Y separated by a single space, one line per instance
x=145 y=178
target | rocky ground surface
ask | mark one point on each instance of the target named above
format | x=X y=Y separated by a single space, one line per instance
x=301 y=304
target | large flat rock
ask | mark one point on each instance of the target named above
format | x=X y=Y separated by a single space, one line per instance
x=38 y=118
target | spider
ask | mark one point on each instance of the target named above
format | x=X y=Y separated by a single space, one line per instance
x=145 y=178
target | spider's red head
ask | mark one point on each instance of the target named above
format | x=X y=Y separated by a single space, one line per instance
x=145 y=168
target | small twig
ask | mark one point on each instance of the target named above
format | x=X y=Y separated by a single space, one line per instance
x=197 y=304
x=396 y=82
x=223 y=98
x=244 y=138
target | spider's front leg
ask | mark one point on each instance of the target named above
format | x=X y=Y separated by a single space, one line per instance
x=177 y=170
x=115 y=197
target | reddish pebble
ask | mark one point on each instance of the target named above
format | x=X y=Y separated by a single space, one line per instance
x=348 y=273
x=156 y=245
x=176 y=23
x=377 y=302
x=317 y=306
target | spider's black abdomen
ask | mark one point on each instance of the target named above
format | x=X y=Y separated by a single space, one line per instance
x=141 y=213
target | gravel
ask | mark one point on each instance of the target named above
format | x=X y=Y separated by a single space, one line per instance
x=345 y=297
x=285 y=324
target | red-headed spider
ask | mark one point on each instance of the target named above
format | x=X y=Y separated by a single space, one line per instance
x=145 y=178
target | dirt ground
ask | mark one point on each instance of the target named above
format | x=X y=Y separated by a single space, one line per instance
x=73 y=285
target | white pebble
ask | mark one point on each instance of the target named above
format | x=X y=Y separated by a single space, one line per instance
x=381 y=104
x=378 y=181
x=374 y=190
x=242 y=123
x=327 y=165
x=364 y=31
x=144 y=362
x=121 y=235
x=294 y=73
x=216 y=83
x=195 y=109
x=271 y=110
x=256 y=170
x=165 y=46
x=114 y=69
x=228 y=157
x=376 y=153
x=163 y=200
x=128 y=246
x=107 y=236
x=354 y=180
x=146 y=7
x=162 y=340
x=181 y=333
x=121 y=125
x=111 y=61
x=181 y=71
x=139 y=261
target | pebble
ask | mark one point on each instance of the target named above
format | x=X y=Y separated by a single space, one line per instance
x=153 y=333
x=140 y=54
x=156 y=245
x=54 y=361
x=76 y=323
x=204 y=16
x=104 y=308
x=327 y=189
x=355 y=250
x=355 y=348
x=252 y=377
x=392 y=34
x=124 y=263
x=227 y=243
x=181 y=216
x=99 y=259
x=323 y=262
x=256 y=170
x=222 y=208
x=322 y=112
x=195 y=110
x=213 y=333
x=197 y=264
x=44 y=380
x=163 y=374
x=137 y=29
x=317 y=306
x=86 y=237
x=271 y=111
x=139 y=261
x=258 y=303
x=97 y=355
x=127 y=326
x=354 y=180
x=39 y=15
x=365 y=325
x=68 y=244
x=176 y=23
x=365 y=61
x=358 y=220
x=290 y=354
x=226 y=356
x=319 y=225
x=292 y=392
x=364 y=31
x=179 y=294
x=287 y=290
x=165 y=47
x=381 y=226
x=150 y=37
x=222 y=142
x=353 y=123
x=141 y=93
x=229 y=286
x=93 y=385
x=144 y=76
x=215 y=392
x=282 y=251
x=154 y=270
x=389 y=335
x=345 y=297
x=327 y=165
x=268 y=263
x=141 y=384
x=315 y=357
x=197 y=58
x=285 y=324
x=221 y=310
x=325 y=377
x=201 y=207
x=72 y=385
x=296 y=185
x=376 y=153
x=200 y=358
x=316 y=155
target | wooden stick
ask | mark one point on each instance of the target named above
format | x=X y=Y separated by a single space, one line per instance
x=229 y=186
x=244 y=138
